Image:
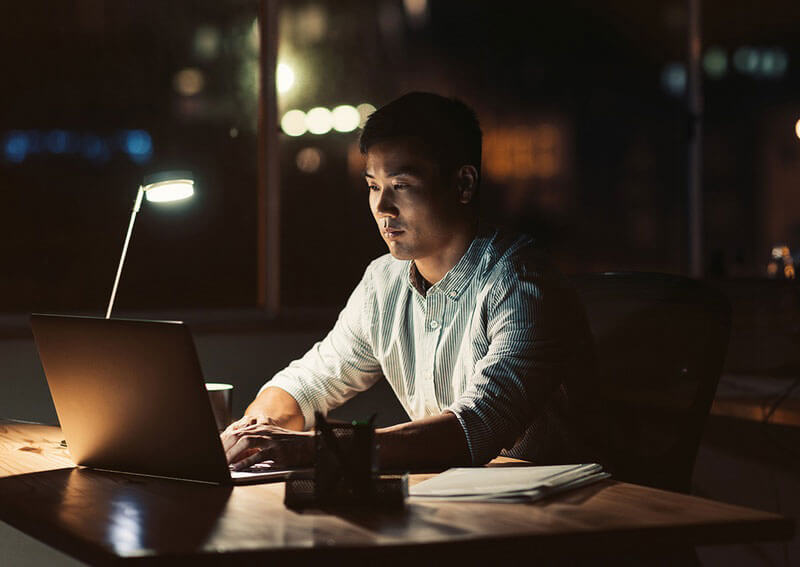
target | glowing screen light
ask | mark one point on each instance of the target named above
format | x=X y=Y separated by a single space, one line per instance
x=284 y=77
x=797 y=128
x=293 y=123
x=172 y=190
x=345 y=118
x=319 y=120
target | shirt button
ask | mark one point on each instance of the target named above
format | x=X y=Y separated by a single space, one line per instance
x=453 y=294
x=434 y=324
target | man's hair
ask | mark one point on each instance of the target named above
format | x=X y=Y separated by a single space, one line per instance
x=446 y=127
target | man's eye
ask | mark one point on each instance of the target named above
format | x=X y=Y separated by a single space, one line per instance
x=401 y=185
x=372 y=187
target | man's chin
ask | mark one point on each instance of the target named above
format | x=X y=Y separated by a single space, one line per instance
x=399 y=252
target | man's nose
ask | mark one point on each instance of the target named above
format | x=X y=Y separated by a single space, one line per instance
x=385 y=206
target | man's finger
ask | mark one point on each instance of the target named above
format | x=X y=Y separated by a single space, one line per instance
x=246 y=446
x=230 y=437
x=273 y=431
x=261 y=455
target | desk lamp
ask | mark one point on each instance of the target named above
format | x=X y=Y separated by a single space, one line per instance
x=161 y=187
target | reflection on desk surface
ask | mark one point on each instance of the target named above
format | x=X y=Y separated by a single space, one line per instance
x=98 y=516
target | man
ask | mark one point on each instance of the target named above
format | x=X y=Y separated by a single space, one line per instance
x=485 y=345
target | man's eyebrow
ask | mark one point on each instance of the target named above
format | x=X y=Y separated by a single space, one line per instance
x=402 y=170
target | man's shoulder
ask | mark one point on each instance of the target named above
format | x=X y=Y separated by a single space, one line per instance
x=517 y=252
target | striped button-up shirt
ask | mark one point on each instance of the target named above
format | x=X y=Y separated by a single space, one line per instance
x=501 y=342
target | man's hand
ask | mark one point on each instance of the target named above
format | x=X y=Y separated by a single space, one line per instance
x=253 y=439
x=249 y=420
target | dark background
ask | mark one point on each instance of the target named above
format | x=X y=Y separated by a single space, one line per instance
x=581 y=104
x=583 y=108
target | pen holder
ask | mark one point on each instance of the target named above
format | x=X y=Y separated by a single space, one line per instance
x=345 y=470
x=345 y=462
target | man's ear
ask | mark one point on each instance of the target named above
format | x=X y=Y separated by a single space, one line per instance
x=466 y=183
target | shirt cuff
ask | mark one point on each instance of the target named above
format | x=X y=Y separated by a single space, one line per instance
x=294 y=389
x=477 y=433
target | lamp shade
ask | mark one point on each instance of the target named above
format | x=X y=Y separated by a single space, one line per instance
x=168 y=186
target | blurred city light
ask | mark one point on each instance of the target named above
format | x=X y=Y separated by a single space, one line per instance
x=95 y=149
x=745 y=59
x=189 y=81
x=345 y=118
x=767 y=63
x=781 y=263
x=206 y=42
x=311 y=23
x=364 y=110
x=57 y=141
x=523 y=152
x=319 y=120
x=284 y=77
x=254 y=36
x=781 y=61
x=715 y=62
x=417 y=11
x=293 y=123
x=415 y=8
x=308 y=160
x=138 y=145
x=16 y=146
x=673 y=78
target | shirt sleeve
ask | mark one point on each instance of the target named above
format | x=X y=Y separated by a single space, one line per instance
x=339 y=366
x=519 y=372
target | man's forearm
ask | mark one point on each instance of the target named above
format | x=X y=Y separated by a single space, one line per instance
x=437 y=441
x=279 y=406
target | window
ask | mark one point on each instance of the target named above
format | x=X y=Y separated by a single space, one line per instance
x=99 y=94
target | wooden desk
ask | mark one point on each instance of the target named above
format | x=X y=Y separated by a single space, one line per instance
x=109 y=518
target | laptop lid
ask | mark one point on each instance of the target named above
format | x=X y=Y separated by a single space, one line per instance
x=130 y=396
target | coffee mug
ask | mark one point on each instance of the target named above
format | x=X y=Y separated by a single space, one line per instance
x=221 y=397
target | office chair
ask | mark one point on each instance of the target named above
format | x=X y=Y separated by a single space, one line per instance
x=660 y=342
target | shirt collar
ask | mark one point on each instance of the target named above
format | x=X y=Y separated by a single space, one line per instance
x=456 y=280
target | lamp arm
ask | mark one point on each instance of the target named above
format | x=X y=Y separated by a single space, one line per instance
x=136 y=206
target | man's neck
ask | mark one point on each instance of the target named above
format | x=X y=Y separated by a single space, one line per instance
x=433 y=268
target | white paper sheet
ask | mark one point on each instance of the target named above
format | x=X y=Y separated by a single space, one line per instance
x=506 y=483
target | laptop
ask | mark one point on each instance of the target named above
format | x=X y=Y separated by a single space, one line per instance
x=130 y=397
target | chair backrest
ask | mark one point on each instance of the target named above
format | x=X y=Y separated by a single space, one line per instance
x=660 y=342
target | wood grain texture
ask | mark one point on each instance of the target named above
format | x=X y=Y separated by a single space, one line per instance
x=107 y=518
x=27 y=448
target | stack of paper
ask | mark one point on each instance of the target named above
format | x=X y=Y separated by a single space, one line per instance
x=507 y=484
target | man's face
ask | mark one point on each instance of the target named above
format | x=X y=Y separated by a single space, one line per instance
x=413 y=205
